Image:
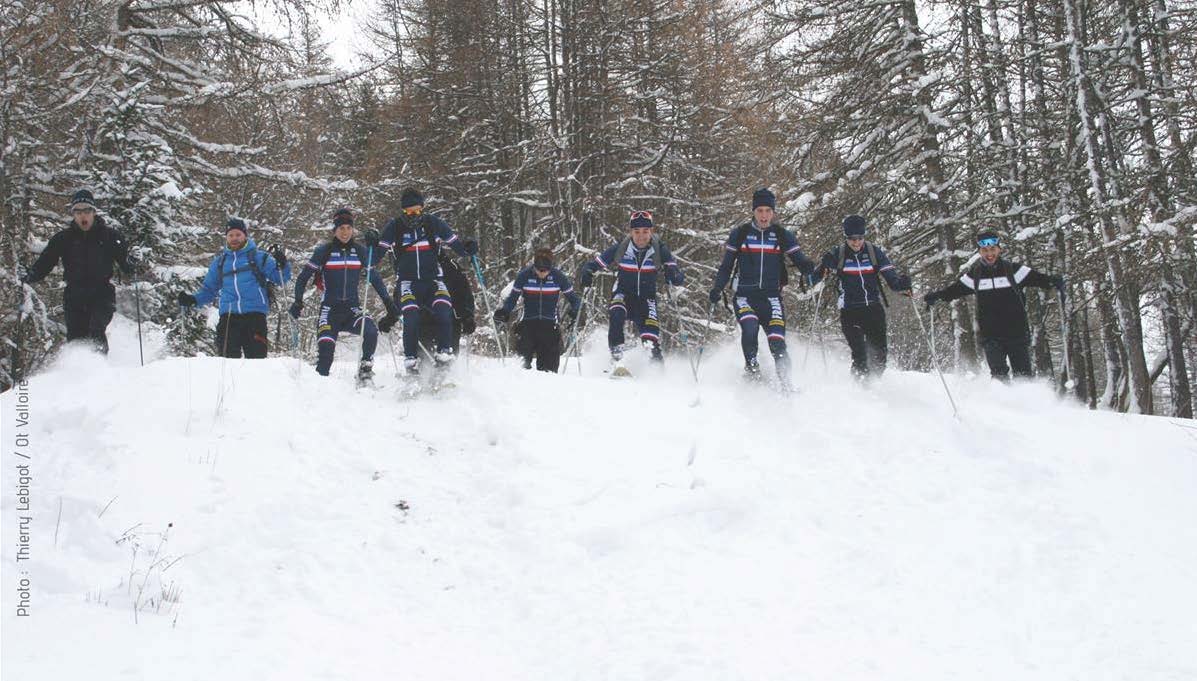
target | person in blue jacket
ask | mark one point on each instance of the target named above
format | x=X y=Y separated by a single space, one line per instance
x=337 y=265
x=758 y=248
x=413 y=240
x=638 y=258
x=859 y=267
x=538 y=335
x=238 y=279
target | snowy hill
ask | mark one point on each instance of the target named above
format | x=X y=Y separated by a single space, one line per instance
x=530 y=526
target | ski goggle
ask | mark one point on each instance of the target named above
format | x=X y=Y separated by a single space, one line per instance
x=988 y=241
x=641 y=214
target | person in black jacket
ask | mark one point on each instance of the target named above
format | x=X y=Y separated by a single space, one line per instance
x=88 y=248
x=463 y=305
x=1001 y=309
x=859 y=267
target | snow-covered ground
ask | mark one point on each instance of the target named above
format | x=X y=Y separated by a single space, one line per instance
x=530 y=526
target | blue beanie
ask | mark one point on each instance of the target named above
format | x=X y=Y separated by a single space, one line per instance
x=763 y=197
x=343 y=216
x=854 y=225
x=83 y=198
x=236 y=223
x=641 y=219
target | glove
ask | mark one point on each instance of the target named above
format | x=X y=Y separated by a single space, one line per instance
x=280 y=255
x=1058 y=282
x=295 y=308
x=187 y=300
x=385 y=324
x=713 y=296
x=568 y=319
x=371 y=237
x=586 y=278
x=502 y=315
x=469 y=246
x=904 y=283
x=468 y=325
x=932 y=298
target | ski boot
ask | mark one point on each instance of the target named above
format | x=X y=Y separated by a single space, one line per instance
x=365 y=374
x=441 y=361
x=654 y=351
x=618 y=370
x=752 y=370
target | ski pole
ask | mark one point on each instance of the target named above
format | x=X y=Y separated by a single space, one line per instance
x=1067 y=373
x=137 y=298
x=489 y=313
x=934 y=360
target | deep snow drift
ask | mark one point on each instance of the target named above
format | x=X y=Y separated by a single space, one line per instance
x=529 y=526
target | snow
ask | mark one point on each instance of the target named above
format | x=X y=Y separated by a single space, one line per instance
x=577 y=527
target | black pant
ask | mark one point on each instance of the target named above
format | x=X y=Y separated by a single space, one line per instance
x=88 y=309
x=341 y=318
x=864 y=327
x=1018 y=350
x=241 y=333
x=540 y=339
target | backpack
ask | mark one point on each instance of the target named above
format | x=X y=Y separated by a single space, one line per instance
x=267 y=285
x=737 y=240
x=839 y=270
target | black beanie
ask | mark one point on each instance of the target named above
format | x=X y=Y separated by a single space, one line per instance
x=763 y=197
x=83 y=198
x=411 y=197
x=854 y=225
x=236 y=223
x=641 y=219
x=343 y=216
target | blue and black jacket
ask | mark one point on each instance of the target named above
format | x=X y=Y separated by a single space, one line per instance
x=638 y=267
x=541 y=296
x=860 y=285
x=234 y=278
x=415 y=242
x=340 y=267
x=759 y=256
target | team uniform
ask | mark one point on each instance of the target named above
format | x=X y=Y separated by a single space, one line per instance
x=861 y=301
x=414 y=243
x=758 y=254
x=538 y=334
x=338 y=267
x=634 y=295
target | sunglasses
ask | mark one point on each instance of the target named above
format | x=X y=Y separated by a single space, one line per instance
x=989 y=241
x=641 y=214
x=856 y=238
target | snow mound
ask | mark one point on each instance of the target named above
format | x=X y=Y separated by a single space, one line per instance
x=213 y=519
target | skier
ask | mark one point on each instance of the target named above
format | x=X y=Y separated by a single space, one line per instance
x=88 y=248
x=859 y=265
x=239 y=279
x=639 y=256
x=413 y=239
x=1001 y=308
x=338 y=265
x=757 y=249
x=537 y=334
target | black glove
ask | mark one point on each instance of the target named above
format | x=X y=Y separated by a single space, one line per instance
x=1058 y=282
x=371 y=237
x=568 y=319
x=385 y=324
x=904 y=283
x=280 y=255
x=469 y=246
x=468 y=325
x=586 y=278
x=932 y=298
x=187 y=300
x=295 y=308
x=713 y=296
x=502 y=315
